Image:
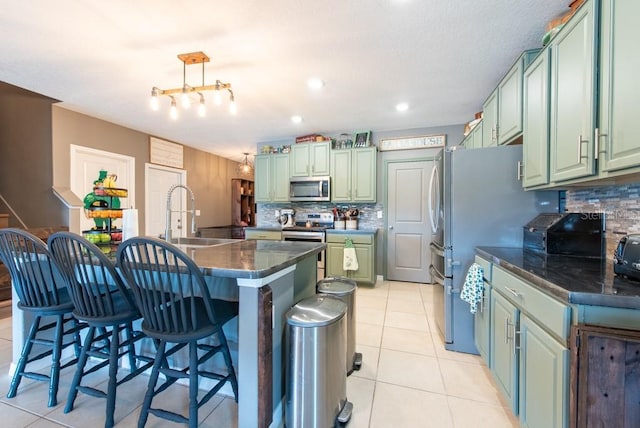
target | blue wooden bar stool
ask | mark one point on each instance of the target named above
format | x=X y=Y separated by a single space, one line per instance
x=100 y=299
x=178 y=311
x=42 y=292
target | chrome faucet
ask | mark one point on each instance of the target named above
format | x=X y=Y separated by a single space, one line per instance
x=167 y=231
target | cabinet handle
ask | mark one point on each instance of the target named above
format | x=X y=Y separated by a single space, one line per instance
x=506 y=330
x=580 y=141
x=516 y=340
x=493 y=133
x=512 y=291
x=519 y=171
x=596 y=142
x=597 y=137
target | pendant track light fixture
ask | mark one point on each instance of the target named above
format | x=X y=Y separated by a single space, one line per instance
x=245 y=166
x=187 y=92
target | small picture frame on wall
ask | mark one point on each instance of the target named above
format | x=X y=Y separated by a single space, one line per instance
x=362 y=139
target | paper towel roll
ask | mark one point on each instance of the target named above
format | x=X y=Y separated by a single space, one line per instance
x=129 y=223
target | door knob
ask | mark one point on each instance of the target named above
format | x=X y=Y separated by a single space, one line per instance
x=390 y=227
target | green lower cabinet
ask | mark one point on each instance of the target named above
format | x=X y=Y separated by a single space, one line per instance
x=365 y=253
x=544 y=363
x=482 y=324
x=504 y=362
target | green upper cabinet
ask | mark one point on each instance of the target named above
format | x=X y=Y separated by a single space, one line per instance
x=535 y=145
x=619 y=145
x=272 y=178
x=353 y=177
x=310 y=159
x=509 y=124
x=476 y=136
x=572 y=108
x=490 y=120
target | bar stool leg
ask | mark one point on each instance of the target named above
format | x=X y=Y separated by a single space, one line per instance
x=193 y=384
x=113 y=373
x=77 y=377
x=153 y=379
x=55 y=361
x=24 y=357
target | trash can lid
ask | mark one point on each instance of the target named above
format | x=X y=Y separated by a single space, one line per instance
x=316 y=311
x=338 y=286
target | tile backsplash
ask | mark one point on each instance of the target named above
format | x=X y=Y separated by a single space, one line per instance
x=366 y=220
x=620 y=206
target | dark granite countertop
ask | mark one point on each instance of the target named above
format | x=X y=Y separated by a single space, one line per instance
x=576 y=280
x=250 y=259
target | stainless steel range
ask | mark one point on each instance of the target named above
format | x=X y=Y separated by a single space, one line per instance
x=311 y=228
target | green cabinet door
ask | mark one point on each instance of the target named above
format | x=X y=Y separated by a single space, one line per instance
x=490 y=119
x=310 y=159
x=476 y=136
x=619 y=144
x=544 y=390
x=482 y=324
x=262 y=177
x=572 y=109
x=535 y=141
x=504 y=363
x=510 y=104
x=333 y=264
x=365 y=255
x=272 y=178
x=341 y=175
x=299 y=160
x=280 y=177
x=363 y=175
x=319 y=159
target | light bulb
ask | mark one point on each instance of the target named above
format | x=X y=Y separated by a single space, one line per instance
x=202 y=109
x=155 y=105
x=233 y=108
x=173 y=111
x=184 y=99
x=216 y=98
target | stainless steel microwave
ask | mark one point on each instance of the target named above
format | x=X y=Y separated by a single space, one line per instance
x=309 y=189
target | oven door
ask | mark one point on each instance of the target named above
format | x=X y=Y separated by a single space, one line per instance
x=308 y=237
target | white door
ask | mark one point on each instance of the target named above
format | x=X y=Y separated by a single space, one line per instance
x=409 y=228
x=86 y=164
x=158 y=181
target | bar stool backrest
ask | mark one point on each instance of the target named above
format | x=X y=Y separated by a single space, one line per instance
x=34 y=273
x=94 y=284
x=168 y=286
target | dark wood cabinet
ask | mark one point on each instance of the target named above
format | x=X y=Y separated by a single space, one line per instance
x=605 y=377
x=243 y=205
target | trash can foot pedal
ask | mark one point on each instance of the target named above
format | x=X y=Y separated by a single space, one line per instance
x=357 y=361
x=345 y=413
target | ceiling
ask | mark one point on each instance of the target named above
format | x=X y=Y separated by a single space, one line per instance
x=102 y=58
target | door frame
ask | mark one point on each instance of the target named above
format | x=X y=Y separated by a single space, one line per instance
x=385 y=185
x=147 y=167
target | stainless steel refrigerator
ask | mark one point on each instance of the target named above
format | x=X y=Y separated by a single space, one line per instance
x=475 y=199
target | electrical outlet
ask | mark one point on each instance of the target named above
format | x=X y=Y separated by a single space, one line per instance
x=197 y=213
x=379 y=213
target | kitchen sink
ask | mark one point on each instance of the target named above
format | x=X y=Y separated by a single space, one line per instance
x=200 y=242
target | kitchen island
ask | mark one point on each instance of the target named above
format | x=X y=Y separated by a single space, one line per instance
x=267 y=278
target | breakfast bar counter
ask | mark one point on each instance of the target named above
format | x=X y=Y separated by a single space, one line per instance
x=267 y=278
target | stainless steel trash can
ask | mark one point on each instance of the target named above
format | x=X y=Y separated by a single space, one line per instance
x=345 y=290
x=316 y=378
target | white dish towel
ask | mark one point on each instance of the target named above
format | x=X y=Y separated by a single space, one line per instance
x=349 y=259
x=473 y=287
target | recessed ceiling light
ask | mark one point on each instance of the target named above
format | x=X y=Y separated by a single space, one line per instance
x=315 y=83
x=402 y=107
x=296 y=119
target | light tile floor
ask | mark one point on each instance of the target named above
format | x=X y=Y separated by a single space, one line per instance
x=407 y=378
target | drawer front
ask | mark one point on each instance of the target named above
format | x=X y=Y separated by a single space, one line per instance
x=272 y=235
x=552 y=314
x=486 y=268
x=356 y=238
